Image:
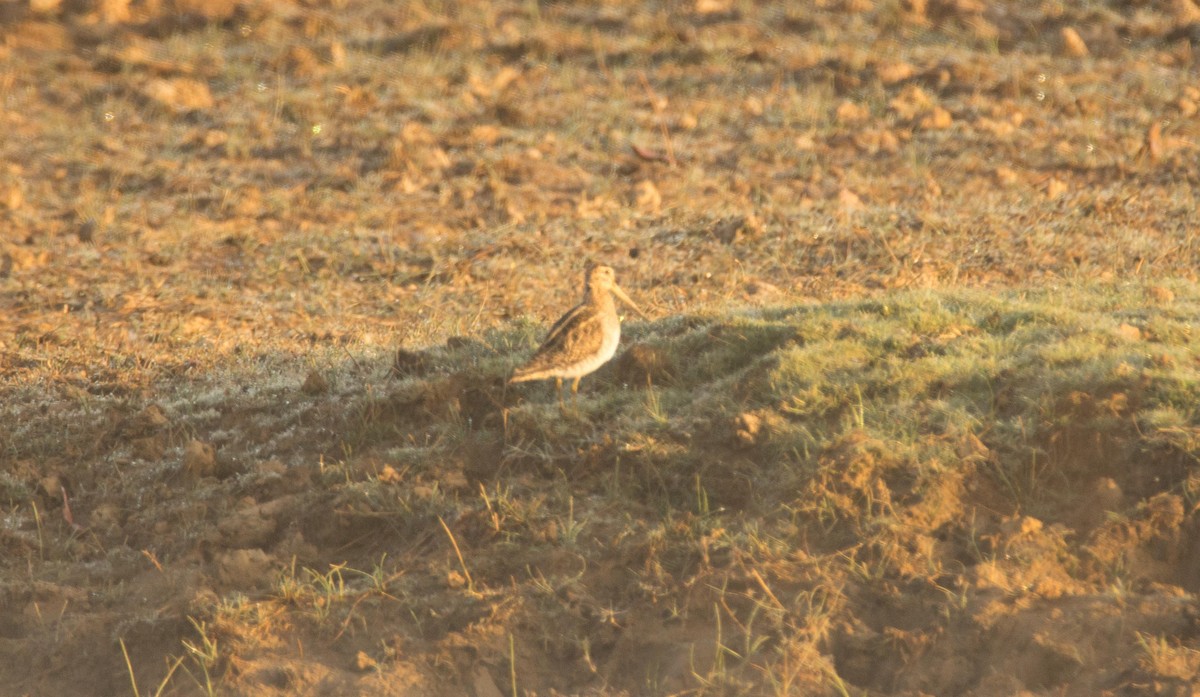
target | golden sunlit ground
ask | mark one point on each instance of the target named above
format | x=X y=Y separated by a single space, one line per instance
x=914 y=414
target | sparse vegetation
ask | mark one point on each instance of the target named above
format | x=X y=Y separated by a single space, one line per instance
x=916 y=413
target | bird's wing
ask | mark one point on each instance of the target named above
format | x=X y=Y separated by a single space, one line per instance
x=572 y=316
x=577 y=334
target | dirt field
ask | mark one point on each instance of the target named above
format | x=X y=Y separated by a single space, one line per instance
x=915 y=413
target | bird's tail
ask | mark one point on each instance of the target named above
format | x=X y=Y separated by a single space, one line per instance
x=525 y=374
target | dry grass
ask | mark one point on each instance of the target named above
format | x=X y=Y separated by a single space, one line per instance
x=916 y=413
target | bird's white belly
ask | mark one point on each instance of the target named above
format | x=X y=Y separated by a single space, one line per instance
x=608 y=347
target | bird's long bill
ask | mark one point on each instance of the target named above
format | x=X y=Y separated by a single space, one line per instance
x=625 y=299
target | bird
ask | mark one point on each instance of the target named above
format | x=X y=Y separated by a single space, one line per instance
x=583 y=339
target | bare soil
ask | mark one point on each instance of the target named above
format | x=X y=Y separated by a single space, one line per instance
x=915 y=414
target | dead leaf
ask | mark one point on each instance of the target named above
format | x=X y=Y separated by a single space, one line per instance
x=938 y=119
x=114 y=11
x=199 y=459
x=1161 y=294
x=999 y=128
x=647 y=154
x=805 y=141
x=42 y=36
x=180 y=95
x=337 y=54
x=364 y=663
x=1154 y=141
x=51 y=484
x=648 y=198
x=1056 y=187
x=746 y=428
x=708 y=7
x=21 y=258
x=848 y=112
x=1006 y=175
x=302 y=62
x=1128 y=332
x=1073 y=43
x=891 y=73
x=14 y=199
x=416 y=133
x=505 y=78
x=911 y=101
x=44 y=7
x=67 y=515
x=849 y=201
x=874 y=140
x=1184 y=12
x=486 y=134
x=589 y=207
x=214 y=139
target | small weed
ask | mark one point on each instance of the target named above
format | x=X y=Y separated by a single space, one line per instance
x=458 y=553
x=1165 y=658
x=205 y=655
x=571 y=528
x=327 y=589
